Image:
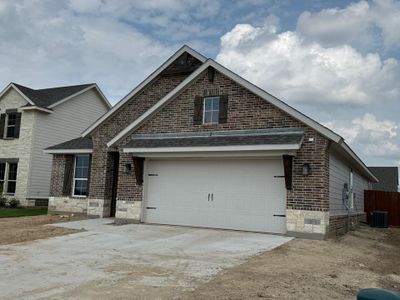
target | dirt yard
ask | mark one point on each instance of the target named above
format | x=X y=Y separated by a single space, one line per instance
x=23 y=229
x=304 y=269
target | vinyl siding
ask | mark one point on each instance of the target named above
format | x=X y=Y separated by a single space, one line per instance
x=339 y=173
x=68 y=121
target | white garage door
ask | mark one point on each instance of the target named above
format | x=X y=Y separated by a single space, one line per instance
x=230 y=194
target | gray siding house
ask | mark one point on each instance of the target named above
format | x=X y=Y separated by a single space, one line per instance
x=31 y=120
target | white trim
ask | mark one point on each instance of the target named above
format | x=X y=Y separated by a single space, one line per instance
x=81 y=92
x=221 y=154
x=212 y=110
x=158 y=105
x=11 y=85
x=246 y=84
x=213 y=148
x=150 y=78
x=354 y=156
x=68 y=151
x=37 y=108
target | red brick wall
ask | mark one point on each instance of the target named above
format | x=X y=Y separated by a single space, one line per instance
x=248 y=111
x=121 y=119
x=245 y=111
x=58 y=173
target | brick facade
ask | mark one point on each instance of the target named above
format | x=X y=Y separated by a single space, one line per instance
x=245 y=111
x=308 y=201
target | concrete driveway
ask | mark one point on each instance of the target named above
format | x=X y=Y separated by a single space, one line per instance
x=123 y=262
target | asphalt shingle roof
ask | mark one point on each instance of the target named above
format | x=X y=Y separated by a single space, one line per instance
x=75 y=144
x=388 y=178
x=231 y=138
x=46 y=97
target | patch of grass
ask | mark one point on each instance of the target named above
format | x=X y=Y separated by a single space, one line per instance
x=22 y=212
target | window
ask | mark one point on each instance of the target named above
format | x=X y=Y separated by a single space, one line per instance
x=11 y=125
x=211 y=110
x=2 y=176
x=12 y=178
x=81 y=174
x=8 y=177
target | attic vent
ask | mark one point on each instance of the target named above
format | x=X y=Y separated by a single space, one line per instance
x=211 y=92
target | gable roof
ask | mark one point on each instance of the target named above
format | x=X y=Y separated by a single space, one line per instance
x=51 y=97
x=324 y=131
x=150 y=78
x=251 y=87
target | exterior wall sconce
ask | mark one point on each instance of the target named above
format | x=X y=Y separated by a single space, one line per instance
x=128 y=168
x=306 y=169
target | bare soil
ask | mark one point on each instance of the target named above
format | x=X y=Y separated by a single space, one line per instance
x=305 y=269
x=23 y=229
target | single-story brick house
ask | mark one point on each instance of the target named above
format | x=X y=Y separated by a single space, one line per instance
x=195 y=144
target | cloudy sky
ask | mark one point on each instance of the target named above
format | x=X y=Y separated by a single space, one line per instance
x=336 y=61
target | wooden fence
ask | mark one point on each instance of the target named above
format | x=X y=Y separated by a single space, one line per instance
x=383 y=201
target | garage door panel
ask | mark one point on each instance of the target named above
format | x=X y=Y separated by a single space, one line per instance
x=245 y=193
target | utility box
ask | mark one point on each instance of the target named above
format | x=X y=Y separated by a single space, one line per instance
x=379 y=219
x=377 y=294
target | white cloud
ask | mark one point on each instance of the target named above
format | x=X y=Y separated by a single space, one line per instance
x=306 y=72
x=358 y=22
x=372 y=137
x=50 y=45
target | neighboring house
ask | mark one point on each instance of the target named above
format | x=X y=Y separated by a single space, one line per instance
x=388 y=178
x=195 y=144
x=31 y=120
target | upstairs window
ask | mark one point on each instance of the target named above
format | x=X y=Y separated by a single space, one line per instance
x=10 y=123
x=211 y=110
x=81 y=176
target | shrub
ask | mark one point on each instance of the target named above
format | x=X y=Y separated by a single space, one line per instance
x=3 y=201
x=13 y=203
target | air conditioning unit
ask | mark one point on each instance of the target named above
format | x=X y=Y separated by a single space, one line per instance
x=379 y=219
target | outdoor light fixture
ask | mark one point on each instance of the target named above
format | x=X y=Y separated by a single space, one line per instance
x=128 y=168
x=306 y=169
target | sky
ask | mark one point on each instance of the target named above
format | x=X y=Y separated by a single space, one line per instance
x=336 y=61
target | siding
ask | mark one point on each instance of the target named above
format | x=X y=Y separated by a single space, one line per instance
x=339 y=173
x=68 y=121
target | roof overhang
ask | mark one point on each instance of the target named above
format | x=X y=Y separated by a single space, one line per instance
x=42 y=109
x=68 y=151
x=150 y=78
x=349 y=154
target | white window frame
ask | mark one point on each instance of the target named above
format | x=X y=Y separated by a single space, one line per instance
x=7 y=180
x=83 y=179
x=212 y=110
x=7 y=125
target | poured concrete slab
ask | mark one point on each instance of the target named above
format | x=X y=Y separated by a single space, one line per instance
x=129 y=261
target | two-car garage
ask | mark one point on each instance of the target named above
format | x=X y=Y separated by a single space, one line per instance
x=241 y=194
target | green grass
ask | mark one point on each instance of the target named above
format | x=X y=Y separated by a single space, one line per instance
x=21 y=212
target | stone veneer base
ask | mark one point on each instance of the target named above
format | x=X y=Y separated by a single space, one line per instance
x=308 y=222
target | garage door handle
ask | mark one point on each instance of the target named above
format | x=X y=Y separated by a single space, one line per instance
x=208 y=197
x=282 y=216
x=151 y=207
x=212 y=197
